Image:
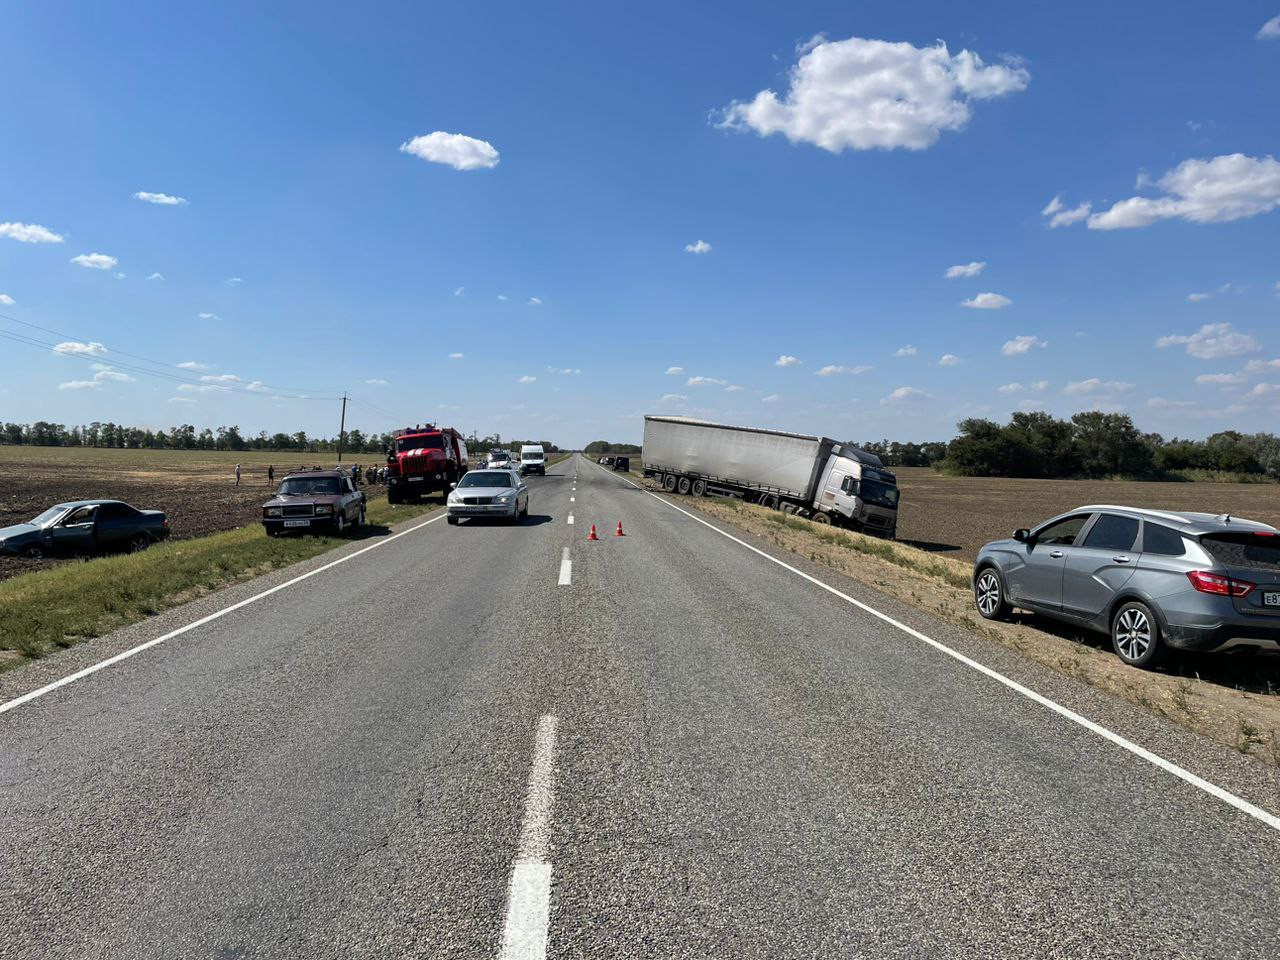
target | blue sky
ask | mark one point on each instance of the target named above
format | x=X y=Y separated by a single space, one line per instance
x=312 y=254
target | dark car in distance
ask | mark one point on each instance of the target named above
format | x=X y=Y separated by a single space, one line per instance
x=85 y=527
x=325 y=500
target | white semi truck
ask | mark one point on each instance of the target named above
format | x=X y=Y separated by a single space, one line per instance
x=814 y=477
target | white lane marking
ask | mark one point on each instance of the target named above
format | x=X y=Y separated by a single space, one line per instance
x=132 y=651
x=524 y=935
x=1244 y=806
x=571 y=519
x=572 y=499
x=566 y=568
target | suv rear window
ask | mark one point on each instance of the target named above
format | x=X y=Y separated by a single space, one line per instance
x=1244 y=550
x=1162 y=541
x=1112 y=532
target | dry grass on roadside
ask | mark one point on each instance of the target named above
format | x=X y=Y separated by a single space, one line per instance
x=1243 y=716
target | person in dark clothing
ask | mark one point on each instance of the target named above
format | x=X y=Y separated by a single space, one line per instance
x=271 y=474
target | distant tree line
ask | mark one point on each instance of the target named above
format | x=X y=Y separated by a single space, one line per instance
x=186 y=437
x=1095 y=444
x=602 y=448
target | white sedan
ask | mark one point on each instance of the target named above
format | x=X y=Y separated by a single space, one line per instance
x=489 y=493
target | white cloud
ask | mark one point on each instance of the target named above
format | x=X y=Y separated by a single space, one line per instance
x=208 y=316
x=219 y=378
x=907 y=351
x=1011 y=388
x=786 y=360
x=80 y=385
x=526 y=379
x=1263 y=390
x=1060 y=216
x=193 y=365
x=502 y=297
x=950 y=360
x=1038 y=384
x=673 y=398
x=771 y=398
x=6 y=299
x=121 y=276
x=257 y=386
x=1197 y=297
x=905 y=395
x=1161 y=403
x=376 y=382
x=181 y=400
x=233 y=281
x=73 y=347
x=456 y=356
x=106 y=373
x=965 y=269
x=673 y=371
x=1221 y=379
x=871 y=94
x=29 y=233
x=453 y=149
x=459 y=291
x=563 y=370
x=1213 y=341
x=95 y=261
x=733 y=388
x=534 y=302
x=1020 y=345
x=1270 y=30
x=1228 y=187
x=987 y=301
x=163 y=199
x=831 y=369
x=698 y=246
x=1094 y=386
x=156 y=276
x=705 y=382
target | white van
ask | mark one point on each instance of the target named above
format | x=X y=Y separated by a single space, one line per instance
x=533 y=459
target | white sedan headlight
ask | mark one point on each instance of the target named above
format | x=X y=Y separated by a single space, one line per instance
x=503 y=499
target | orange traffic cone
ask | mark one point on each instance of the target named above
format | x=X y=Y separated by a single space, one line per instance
x=619 y=533
x=593 y=533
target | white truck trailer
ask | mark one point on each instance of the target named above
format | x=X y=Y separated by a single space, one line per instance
x=814 y=477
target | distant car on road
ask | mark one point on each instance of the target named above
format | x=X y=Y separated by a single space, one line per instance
x=84 y=527
x=489 y=493
x=314 y=499
x=1152 y=580
x=533 y=459
x=622 y=463
x=499 y=460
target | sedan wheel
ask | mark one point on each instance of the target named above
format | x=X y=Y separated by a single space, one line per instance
x=139 y=543
x=1135 y=636
x=340 y=523
x=988 y=593
x=33 y=551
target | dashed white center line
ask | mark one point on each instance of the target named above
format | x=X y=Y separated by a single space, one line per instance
x=571 y=519
x=566 y=568
x=572 y=499
x=524 y=936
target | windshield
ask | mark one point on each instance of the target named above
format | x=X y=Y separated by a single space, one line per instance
x=881 y=494
x=486 y=478
x=499 y=455
x=531 y=455
x=432 y=441
x=307 y=486
x=50 y=515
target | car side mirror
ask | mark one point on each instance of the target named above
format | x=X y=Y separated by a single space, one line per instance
x=453 y=486
x=1022 y=535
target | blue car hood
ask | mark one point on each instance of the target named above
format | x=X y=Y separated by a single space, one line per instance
x=18 y=530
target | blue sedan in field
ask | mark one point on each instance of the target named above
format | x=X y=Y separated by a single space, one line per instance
x=85 y=526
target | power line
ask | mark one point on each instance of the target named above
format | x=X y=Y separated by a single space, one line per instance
x=182 y=378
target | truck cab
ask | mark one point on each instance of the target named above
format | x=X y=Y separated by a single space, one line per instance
x=859 y=492
x=423 y=460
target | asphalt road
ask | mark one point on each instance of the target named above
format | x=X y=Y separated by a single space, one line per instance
x=441 y=748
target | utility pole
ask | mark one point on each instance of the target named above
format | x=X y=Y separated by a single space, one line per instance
x=342 y=426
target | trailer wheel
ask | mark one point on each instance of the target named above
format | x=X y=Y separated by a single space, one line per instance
x=685 y=485
x=822 y=518
x=699 y=488
x=669 y=483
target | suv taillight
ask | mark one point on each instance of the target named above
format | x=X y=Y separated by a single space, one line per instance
x=1215 y=583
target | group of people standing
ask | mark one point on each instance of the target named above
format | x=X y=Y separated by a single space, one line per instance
x=359 y=474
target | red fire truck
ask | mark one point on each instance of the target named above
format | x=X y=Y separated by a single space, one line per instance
x=424 y=459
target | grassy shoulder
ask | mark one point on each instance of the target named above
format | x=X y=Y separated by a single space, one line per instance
x=1233 y=700
x=41 y=612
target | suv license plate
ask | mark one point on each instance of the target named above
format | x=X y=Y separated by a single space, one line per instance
x=415 y=479
x=297 y=523
x=1271 y=599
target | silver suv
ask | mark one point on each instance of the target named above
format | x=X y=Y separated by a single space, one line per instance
x=1150 y=579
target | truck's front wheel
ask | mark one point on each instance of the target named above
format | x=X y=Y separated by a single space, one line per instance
x=822 y=518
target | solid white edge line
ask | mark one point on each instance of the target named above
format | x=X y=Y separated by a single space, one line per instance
x=1244 y=806
x=133 y=651
x=524 y=933
x=566 y=569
